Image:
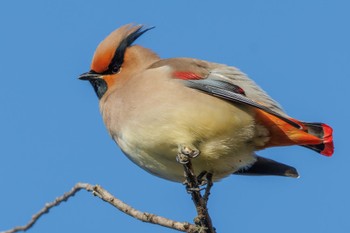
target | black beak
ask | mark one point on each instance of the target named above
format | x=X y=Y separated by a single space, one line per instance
x=91 y=75
x=97 y=82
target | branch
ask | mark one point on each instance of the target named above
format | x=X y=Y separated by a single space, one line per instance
x=203 y=219
x=106 y=196
x=143 y=216
x=50 y=205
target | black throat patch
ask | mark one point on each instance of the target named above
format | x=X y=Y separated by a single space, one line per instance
x=100 y=86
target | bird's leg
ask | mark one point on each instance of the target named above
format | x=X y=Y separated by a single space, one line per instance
x=184 y=156
x=185 y=153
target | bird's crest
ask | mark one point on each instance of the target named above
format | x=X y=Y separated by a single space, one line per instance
x=109 y=55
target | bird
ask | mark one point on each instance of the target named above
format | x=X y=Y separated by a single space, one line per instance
x=164 y=112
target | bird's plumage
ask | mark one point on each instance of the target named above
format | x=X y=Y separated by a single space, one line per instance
x=152 y=107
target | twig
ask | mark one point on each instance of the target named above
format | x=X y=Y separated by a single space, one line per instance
x=50 y=205
x=106 y=196
x=208 y=188
x=143 y=216
x=203 y=219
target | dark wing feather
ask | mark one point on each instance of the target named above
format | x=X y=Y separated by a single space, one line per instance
x=232 y=93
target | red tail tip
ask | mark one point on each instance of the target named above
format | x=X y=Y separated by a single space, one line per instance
x=327 y=140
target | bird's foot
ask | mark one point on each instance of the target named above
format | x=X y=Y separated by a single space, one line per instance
x=185 y=153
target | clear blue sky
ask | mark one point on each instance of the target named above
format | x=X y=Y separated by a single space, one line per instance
x=52 y=135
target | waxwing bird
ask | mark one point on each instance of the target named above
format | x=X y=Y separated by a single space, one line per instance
x=156 y=109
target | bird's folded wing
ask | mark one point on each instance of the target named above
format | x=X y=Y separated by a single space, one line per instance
x=232 y=93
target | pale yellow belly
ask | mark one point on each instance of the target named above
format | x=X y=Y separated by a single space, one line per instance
x=225 y=135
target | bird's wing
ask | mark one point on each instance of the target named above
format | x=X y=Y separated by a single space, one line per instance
x=233 y=93
x=251 y=89
x=226 y=83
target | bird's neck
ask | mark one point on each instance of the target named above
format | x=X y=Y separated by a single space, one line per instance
x=139 y=58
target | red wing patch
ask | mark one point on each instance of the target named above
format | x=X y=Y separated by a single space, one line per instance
x=187 y=75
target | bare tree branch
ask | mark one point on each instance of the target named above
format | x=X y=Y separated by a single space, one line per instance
x=203 y=220
x=50 y=205
x=203 y=223
x=106 y=196
x=208 y=188
x=143 y=216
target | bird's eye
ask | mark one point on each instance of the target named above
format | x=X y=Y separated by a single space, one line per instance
x=116 y=69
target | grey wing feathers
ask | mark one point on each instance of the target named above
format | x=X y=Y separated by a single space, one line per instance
x=251 y=89
x=227 y=91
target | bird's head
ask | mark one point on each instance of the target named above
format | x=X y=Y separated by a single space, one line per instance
x=115 y=58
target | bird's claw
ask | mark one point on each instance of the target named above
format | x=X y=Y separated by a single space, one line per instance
x=185 y=153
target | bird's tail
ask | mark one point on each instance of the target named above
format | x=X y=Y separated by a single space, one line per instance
x=268 y=167
x=323 y=132
x=315 y=136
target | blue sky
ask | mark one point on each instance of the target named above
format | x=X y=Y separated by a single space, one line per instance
x=52 y=135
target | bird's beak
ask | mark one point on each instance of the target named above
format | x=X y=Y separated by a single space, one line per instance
x=89 y=76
